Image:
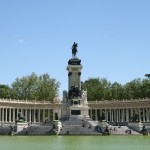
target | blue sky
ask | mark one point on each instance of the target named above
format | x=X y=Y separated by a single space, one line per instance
x=113 y=38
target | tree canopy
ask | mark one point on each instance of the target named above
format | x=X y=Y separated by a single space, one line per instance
x=43 y=87
x=31 y=87
x=102 y=89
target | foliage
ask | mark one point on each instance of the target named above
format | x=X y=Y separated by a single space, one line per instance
x=32 y=87
x=101 y=89
x=98 y=89
x=5 y=91
x=44 y=87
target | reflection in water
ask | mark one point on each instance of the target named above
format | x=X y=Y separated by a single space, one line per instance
x=74 y=142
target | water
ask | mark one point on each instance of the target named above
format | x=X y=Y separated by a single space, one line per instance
x=75 y=142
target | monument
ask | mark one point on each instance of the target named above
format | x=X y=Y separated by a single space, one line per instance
x=75 y=99
x=21 y=123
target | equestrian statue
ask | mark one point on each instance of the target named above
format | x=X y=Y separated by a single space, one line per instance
x=74 y=49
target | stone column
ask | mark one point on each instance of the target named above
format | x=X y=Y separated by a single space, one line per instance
x=34 y=116
x=139 y=111
x=44 y=115
x=30 y=115
x=5 y=114
x=127 y=115
x=100 y=113
x=105 y=115
x=143 y=115
x=13 y=114
x=117 y=118
x=17 y=113
x=147 y=114
x=122 y=115
x=48 y=115
x=2 y=114
x=96 y=114
x=9 y=114
x=119 y=115
x=112 y=115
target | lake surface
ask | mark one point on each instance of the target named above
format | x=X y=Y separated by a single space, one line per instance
x=75 y=142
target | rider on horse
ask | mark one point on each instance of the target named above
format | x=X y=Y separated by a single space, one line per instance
x=74 y=49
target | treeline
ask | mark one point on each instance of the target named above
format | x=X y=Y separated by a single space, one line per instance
x=31 y=87
x=44 y=87
x=102 y=89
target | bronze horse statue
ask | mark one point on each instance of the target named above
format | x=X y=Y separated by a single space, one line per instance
x=74 y=49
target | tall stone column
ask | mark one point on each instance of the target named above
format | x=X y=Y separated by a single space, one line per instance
x=115 y=115
x=127 y=115
x=143 y=115
x=34 y=117
x=9 y=114
x=96 y=114
x=119 y=115
x=13 y=114
x=48 y=114
x=105 y=115
x=122 y=115
x=139 y=112
x=43 y=115
x=30 y=115
x=2 y=114
x=147 y=114
x=112 y=115
x=17 y=113
x=5 y=114
x=100 y=112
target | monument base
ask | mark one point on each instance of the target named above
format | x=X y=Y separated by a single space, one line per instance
x=20 y=126
x=81 y=109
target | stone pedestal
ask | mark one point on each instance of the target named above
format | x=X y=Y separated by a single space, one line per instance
x=21 y=126
x=78 y=108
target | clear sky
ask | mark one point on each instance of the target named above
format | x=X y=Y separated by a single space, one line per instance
x=113 y=38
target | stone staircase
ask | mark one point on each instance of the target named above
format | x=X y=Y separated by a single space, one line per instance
x=75 y=126
x=44 y=129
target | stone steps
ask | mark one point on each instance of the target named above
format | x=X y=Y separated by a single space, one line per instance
x=77 y=126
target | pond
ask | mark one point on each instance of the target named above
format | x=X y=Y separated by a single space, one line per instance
x=75 y=142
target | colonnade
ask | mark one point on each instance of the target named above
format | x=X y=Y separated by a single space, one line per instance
x=120 y=115
x=34 y=115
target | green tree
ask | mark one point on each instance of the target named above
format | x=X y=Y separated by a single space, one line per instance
x=5 y=91
x=47 y=87
x=145 y=88
x=117 y=91
x=132 y=89
x=98 y=89
x=33 y=87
